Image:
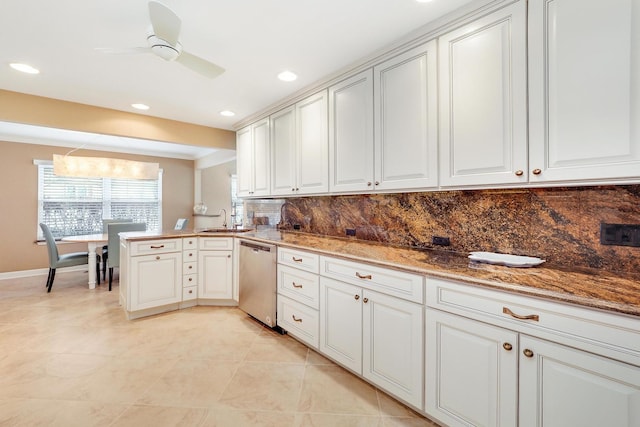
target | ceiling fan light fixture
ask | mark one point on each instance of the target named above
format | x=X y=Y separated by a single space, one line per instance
x=25 y=68
x=287 y=76
x=140 y=106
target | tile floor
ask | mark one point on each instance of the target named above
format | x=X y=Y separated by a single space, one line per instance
x=70 y=358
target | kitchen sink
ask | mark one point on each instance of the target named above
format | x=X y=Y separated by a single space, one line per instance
x=226 y=230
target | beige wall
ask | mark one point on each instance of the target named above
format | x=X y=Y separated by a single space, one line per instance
x=35 y=110
x=216 y=193
x=19 y=204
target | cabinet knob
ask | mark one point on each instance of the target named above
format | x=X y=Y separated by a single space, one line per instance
x=356 y=297
x=295 y=319
x=190 y=279
x=377 y=183
x=536 y=171
x=228 y=256
x=190 y=254
x=297 y=189
x=293 y=189
x=190 y=291
x=369 y=184
x=519 y=172
x=527 y=352
x=190 y=267
x=507 y=346
x=366 y=300
x=157 y=257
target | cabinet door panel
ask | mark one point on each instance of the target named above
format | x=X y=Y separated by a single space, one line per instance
x=392 y=345
x=215 y=274
x=351 y=134
x=561 y=386
x=584 y=89
x=313 y=145
x=406 y=123
x=341 y=323
x=261 y=158
x=157 y=279
x=283 y=151
x=483 y=98
x=244 y=162
x=470 y=378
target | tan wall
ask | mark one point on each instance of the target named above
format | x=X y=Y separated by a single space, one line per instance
x=216 y=193
x=19 y=200
x=35 y=110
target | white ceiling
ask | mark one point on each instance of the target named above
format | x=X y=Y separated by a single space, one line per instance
x=253 y=40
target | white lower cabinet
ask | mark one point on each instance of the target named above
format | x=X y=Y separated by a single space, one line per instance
x=374 y=335
x=215 y=275
x=523 y=361
x=154 y=280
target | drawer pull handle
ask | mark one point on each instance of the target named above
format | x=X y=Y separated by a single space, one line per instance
x=361 y=276
x=157 y=247
x=190 y=291
x=356 y=297
x=295 y=319
x=527 y=352
x=190 y=267
x=296 y=259
x=533 y=317
x=507 y=346
x=366 y=300
x=157 y=257
x=295 y=285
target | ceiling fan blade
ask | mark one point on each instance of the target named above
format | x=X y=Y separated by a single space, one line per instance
x=199 y=65
x=123 y=51
x=166 y=24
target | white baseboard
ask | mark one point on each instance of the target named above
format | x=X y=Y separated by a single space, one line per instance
x=38 y=272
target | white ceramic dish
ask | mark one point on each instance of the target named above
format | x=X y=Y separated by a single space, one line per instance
x=505 y=259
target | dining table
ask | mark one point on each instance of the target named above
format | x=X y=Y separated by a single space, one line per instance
x=93 y=241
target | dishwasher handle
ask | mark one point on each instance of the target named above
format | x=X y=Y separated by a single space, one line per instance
x=267 y=248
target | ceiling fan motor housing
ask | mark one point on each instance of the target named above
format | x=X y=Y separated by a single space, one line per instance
x=163 y=49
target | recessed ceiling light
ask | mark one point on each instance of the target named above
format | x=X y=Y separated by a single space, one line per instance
x=227 y=113
x=287 y=76
x=25 y=68
x=140 y=106
x=423 y=1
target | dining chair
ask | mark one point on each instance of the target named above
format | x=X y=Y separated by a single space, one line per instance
x=58 y=261
x=114 y=230
x=105 y=248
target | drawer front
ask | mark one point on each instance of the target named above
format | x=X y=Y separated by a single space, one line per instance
x=148 y=247
x=189 y=255
x=189 y=280
x=613 y=335
x=299 y=259
x=215 y=243
x=299 y=285
x=299 y=320
x=190 y=267
x=190 y=243
x=391 y=282
x=189 y=293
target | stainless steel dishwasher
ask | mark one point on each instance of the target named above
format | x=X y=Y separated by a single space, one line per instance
x=257 y=281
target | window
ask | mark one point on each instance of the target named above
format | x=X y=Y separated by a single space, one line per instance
x=72 y=206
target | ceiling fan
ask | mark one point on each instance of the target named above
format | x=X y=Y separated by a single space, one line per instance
x=163 y=41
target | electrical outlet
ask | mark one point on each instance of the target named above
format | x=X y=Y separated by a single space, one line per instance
x=296 y=226
x=620 y=234
x=351 y=231
x=441 y=241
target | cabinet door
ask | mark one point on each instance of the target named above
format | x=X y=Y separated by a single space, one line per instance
x=406 y=120
x=313 y=145
x=561 y=386
x=393 y=346
x=341 y=323
x=471 y=377
x=215 y=278
x=584 y=89
x=244 y=153
x=261 y=158
x=483 y=100
x=155 y=280
x=351 y=134
x=283 y=151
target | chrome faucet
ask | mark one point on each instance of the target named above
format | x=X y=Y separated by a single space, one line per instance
x=224 y=218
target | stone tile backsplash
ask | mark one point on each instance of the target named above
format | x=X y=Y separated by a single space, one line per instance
x=561 y=225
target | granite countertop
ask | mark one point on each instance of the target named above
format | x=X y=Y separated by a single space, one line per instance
x=586 y=287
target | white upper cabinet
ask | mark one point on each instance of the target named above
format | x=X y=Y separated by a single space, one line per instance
x=406 y=121
x=584 y=77
x=483 y=100
x=252 y=146
x=351 y=134
x=300 y=152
